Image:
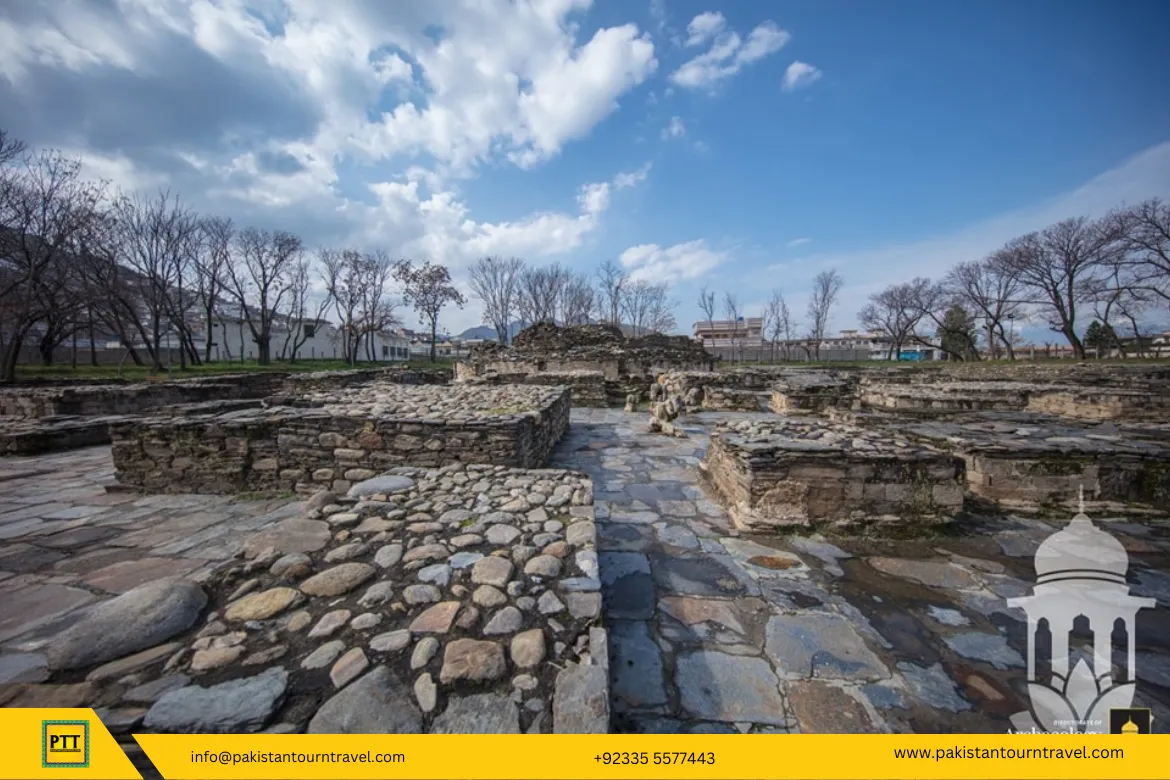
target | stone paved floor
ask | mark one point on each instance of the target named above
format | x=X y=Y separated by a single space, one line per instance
x=65 y=542
x=712 y=631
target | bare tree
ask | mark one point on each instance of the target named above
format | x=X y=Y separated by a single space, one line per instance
x=155 y=237
x=211 y=262
x=660 y=309
x=826 y=288
x=305 y=311
x=577 y=300
x=376 y=307
x=1145 y=235
x=637 y=297
x=778 y=322
x=11 y=148
x=991 y=289
x=45 y=213
x=428 y=289
x=496 y=282
x=895 y=311
x=612 y=281
x=258 y=279
x=343 y=278
x=731 y=312
x=541 y=290
x=707 y=306
x=1059 y=268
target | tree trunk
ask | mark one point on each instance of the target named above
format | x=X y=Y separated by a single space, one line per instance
x=12 y=354
x=93 y=361
x=1075 y=342
x=46 y=349
x=434 y=333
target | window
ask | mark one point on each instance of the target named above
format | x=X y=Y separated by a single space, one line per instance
x=385 y=351
x=310 y=330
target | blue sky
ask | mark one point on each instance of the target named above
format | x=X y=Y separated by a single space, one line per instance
x=908 y=135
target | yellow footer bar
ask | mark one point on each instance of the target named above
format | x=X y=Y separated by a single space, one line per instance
x=74 y=743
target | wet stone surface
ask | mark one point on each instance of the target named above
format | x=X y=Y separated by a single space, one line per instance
x=370 y=611
x=713 y=630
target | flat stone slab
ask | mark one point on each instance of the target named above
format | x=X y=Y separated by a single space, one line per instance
x=27 y=609
x=821 y=708
x=627 y=586
x=378 y=703
x=581 y=701
x=482 y=713
x=230 y=707
x=989 y=648
x=127 y=575
x=637 y=680
x=707 y=575
x=821 y=645
x=23 y=668
x=933 y=687
x=933 y=574
x=736 y=689
x=293 y=535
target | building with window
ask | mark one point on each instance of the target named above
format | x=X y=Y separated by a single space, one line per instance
x=743 y=333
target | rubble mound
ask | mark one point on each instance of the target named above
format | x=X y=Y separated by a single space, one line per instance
x=547 y=337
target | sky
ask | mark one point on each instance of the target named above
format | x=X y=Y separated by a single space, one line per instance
x=742 y=146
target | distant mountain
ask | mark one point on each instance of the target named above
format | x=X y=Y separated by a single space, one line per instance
x=482 y=332
x=488 y=333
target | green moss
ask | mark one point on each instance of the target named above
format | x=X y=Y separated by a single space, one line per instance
x=1054 y=466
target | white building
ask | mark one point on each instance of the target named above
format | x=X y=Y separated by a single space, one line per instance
x=231 y=339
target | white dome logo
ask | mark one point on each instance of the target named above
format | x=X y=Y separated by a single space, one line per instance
x=1080 y=580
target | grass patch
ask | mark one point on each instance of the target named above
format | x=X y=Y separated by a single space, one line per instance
x=141 y=373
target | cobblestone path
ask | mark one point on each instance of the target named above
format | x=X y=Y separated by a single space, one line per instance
x=713 y=631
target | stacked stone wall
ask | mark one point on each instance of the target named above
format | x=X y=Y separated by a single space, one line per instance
x=305 y=449
x=774 y=482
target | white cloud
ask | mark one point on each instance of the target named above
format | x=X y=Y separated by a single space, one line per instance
x=674 y=263
x=632 y=178
x=504 y=79
x=800 y=75
x=797 y=242
x=676 y=129
x=704 y=27
x=728 y=55
x=1143 y=176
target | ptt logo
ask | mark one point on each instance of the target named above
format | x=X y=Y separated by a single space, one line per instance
x=64 y=744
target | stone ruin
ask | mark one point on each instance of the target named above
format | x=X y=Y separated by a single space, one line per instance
x=434 y=578
x=47 y=416
x=786 y=472
x=598 y=363
x=1025 y=438
x=332 y=439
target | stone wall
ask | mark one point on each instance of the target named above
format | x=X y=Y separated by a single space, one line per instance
x=1033 y=461
x=624 y=365
x=590 y=389
x=1065 y=400
x=119 y=399
x=1104 y=404
x=801 y=474
x=333 y=444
